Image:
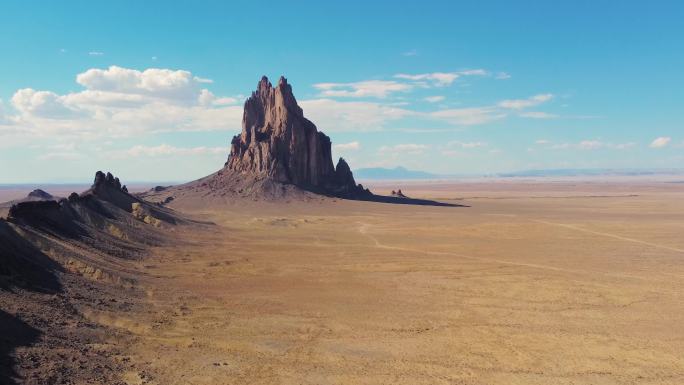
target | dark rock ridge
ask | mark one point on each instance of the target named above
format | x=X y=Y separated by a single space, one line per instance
x=106 y=198
x=62 y=255
x=279 y=143
x=40 y=194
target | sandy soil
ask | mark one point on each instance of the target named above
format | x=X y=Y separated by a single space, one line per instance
x=530 y=284
x=584 y=290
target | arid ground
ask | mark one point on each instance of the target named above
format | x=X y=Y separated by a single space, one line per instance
x=532 y=283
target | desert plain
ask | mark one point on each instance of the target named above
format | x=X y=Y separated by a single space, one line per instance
x=524 y=282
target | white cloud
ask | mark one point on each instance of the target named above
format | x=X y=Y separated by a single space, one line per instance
x=30 y=102
x=466 y=144
x=156 y=82
x=585 y=145
x=331 y=115
x=408 y=148
x=4 y=117
x=517 y=104
x=122 y=102
x=411 y=52
x=561 y=146
x=434 y=99
x=367 y=88
x=623 y=146
x=660 y=142
x=168 y=150
x=441 y=79
x=61 y=156
x=224 y=101
x=502 y=76
x=351 y=146
x=590 y=145
x=95 y=53
x=537 y=115
x=468 y=116
x=207 y=98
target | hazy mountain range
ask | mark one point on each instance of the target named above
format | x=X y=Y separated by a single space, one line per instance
x=380 y=173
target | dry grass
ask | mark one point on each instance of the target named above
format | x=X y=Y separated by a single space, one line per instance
x=521 y=289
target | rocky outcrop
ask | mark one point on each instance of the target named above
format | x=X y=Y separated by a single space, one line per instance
x=279 y=143
x=39 y=194
x=398 y=194
x=107 y=181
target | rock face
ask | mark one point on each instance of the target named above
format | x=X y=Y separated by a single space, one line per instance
x=278 y=142
x=40 y=194
x=104 y=181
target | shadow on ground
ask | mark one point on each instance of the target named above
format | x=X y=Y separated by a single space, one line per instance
x=408 y=201
x=22 y=268
x=15 y=333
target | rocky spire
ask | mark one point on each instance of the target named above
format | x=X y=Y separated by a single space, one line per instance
x=278 y=142
x=107 y=181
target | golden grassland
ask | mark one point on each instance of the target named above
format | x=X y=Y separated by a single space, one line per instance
x=539 y=284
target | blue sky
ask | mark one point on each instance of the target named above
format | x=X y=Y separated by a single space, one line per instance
x=153 y=90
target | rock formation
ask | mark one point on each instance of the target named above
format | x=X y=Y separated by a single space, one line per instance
x=40 y=195
x=398 y=194
x=279 y=143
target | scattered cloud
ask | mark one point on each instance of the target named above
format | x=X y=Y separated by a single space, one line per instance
x=537 y=115
x=623 y=146
x=560 y=146
x=502 y=76
x=95 y=53
x=660 y=142
x=156 y=82
x=42 y=104
x=367 y=88
x=517 y=104
x=5 y=118
x=60 y=156
x=408 y=148
x=468 y=116
x=434 y=99
x=586 y=145
x=119 y=102
x=351 y=146
x=207 y=98
x=466 y=144
x=590 y=144
x=441 y=79
x=168 y=150
x=332 y=115
x=411 y=52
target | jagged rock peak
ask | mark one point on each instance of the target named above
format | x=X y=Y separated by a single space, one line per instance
x=108 y=180
x=40 y=194
x=278 y=142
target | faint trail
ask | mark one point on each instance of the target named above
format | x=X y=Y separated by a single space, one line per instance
x=363 y=230
x=573 y=227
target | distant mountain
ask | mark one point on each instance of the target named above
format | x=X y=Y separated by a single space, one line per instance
x=399 y=173
x=393 y=173
x=591 y=172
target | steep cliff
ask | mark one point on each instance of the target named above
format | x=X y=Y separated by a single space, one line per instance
x=279 y=143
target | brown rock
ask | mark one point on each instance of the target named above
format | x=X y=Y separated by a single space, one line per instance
x=278 y=142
